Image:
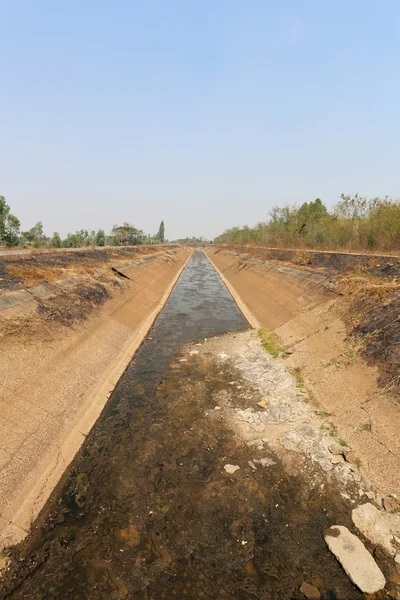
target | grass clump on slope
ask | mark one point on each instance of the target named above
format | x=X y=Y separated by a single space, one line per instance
x=270 y=342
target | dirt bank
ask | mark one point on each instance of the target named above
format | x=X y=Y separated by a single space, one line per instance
x=64 y=344
x=328 y=323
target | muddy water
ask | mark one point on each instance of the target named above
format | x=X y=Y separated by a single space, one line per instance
x=148 y=510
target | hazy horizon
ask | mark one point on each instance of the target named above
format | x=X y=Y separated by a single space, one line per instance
x=203 y=115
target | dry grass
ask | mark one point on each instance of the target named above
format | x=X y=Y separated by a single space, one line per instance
x=301 y=258
x=34 y=272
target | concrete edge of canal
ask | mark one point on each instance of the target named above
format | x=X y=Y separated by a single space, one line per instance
x=56 y=389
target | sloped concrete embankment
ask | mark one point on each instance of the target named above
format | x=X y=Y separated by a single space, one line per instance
x=55 y=378
x=303 y=306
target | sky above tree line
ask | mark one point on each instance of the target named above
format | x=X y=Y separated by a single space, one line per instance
x=204 y=114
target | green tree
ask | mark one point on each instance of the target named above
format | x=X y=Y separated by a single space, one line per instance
x=100 y=238
x=161 y=233
x=127 y=235
x=9 y=225
x=35 y=234
x=56 y=240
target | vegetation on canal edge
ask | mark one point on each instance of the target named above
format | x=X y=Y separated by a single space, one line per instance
x=355 y=223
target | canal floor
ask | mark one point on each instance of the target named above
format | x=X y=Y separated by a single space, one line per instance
x=162 y=502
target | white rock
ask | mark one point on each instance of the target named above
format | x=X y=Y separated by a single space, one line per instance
x=378 y=526
x=192 y=352
x=355 y=559
x=291 y=441
x=231 y=469
x=265 y=462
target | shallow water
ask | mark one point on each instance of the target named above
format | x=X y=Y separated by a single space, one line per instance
x=199 y=306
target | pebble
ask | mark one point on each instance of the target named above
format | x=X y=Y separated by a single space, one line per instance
x=378 y=526
x=192 y=352
x=355 y=559
x=231 y=469
x=263 y=404
x=310 y=591
x=265 y=462
x=390 y=504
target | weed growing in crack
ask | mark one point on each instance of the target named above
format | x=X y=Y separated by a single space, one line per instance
x=270 y=342
x=324 y=413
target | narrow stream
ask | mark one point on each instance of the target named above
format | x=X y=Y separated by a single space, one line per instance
x=73 y=546
x=199 y=306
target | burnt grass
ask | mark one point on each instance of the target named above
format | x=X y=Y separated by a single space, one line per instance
x=148 y=512
x=75 y=306
x=88 y=258
x=374 y=316
x=378 y=325
x=336 y=262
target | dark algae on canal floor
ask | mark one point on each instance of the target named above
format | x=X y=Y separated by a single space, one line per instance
x=147 y=510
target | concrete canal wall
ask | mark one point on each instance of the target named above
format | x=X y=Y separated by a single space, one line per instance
x=311 y=312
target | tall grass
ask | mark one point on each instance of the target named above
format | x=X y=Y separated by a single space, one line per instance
x=356 y=223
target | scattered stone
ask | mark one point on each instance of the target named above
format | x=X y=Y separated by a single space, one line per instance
x=263 y=404
x=378 y=526
x=390 y=504
x=355 y=559
x=317 y=581
x=349 y=456
x=337 y=459
x=259 y=444
x=222 y=356
x=231 y=469
x=183 y=360
x=265 y=462
x=217 y=408
x=291 y=441
x=308 y=432
x=309 y=591
x=258 y=426
x=192 y=352
x=336 y=448
x=252 y=465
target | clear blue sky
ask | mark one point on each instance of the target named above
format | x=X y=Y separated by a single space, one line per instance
x=204 y=113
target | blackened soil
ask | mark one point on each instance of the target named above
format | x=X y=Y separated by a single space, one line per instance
x=336 y=262
x=379 y=327
x=150 y=513
x=64 y=260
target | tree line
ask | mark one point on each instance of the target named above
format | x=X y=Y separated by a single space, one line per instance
x=355 y=223
x=125 y=234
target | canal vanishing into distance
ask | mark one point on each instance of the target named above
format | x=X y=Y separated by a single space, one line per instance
x=148 y=509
